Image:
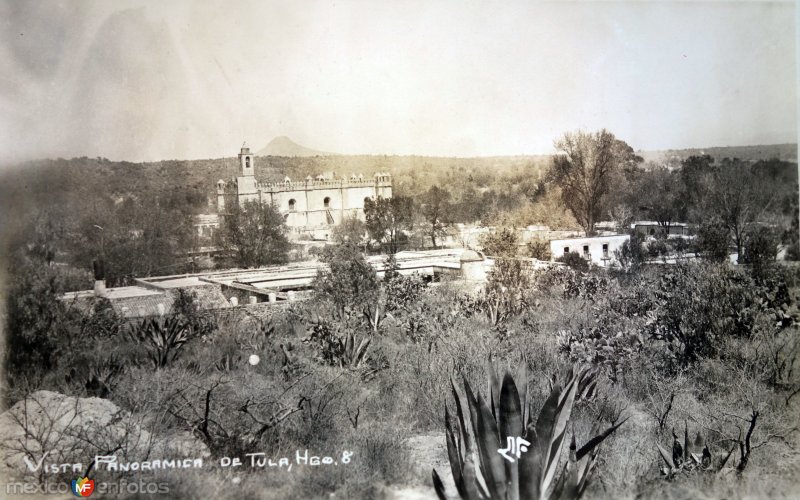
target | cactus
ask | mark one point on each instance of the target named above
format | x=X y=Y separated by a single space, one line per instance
x=257 y=339
x=482 y=468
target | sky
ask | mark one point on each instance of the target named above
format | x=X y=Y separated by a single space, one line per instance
x=150 y=80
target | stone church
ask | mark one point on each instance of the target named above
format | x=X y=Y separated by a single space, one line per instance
x=310 y=206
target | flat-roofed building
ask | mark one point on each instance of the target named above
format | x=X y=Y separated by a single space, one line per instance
x=599 y=250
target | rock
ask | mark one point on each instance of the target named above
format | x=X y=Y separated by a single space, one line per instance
x=70 y=430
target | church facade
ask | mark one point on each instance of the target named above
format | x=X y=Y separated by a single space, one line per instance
x=310 y=205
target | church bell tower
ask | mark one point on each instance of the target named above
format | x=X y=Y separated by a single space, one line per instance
x=246 y=166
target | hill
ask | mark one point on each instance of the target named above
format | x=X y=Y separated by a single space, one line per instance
x=283 y=146
x=785 y=152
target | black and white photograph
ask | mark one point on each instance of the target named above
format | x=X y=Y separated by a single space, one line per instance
x=399 y=250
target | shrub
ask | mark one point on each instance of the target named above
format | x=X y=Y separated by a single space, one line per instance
x=402 y=292
x=574 y=261
x=697 y=306
x=539 y=249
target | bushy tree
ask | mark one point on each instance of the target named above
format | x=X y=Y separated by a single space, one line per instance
x=254 y=235
x=712 y=239
x=387 y=218
x=35 y=317
x=501 y=243
x=351 y=230
x=739 y=198
x=661 y=197
x=696 y=175
x=760 y=250
x=539 y=249
x=510 y=274
x=349 y=282
x=583 y=167
x=631 y=255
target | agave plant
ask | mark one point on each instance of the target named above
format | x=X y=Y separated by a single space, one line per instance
x=338 y=348
x=691 y=456
x=354 y=352
x=163 y=338
x=375 y=316
x=496 y=450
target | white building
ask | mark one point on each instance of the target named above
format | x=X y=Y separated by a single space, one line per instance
x=597 y=249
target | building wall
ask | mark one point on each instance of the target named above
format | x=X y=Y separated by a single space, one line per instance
x=594 y=247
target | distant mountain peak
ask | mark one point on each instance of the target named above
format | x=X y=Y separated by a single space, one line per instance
x=284 y=146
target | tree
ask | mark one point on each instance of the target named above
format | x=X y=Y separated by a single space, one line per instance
x=583 y=167
x=387 y=218
x=630 y=255
x=510 y=274
x=696 y=176
x=254 y=235
x=661 y=197
x=539 y=249
x=469 y=207
x=712 y=239
x=351 y=229
x=349 y=282
x=502 y=243
x=739 y=198
x=141 y=236
x=435 y=207
x=760 y=250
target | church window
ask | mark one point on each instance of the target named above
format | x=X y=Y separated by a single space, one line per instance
x=327 y=202
x=246 y=162
x=291 y=204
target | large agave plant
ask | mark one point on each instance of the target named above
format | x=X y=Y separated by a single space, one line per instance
x=489 y=461
x=163 y=338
